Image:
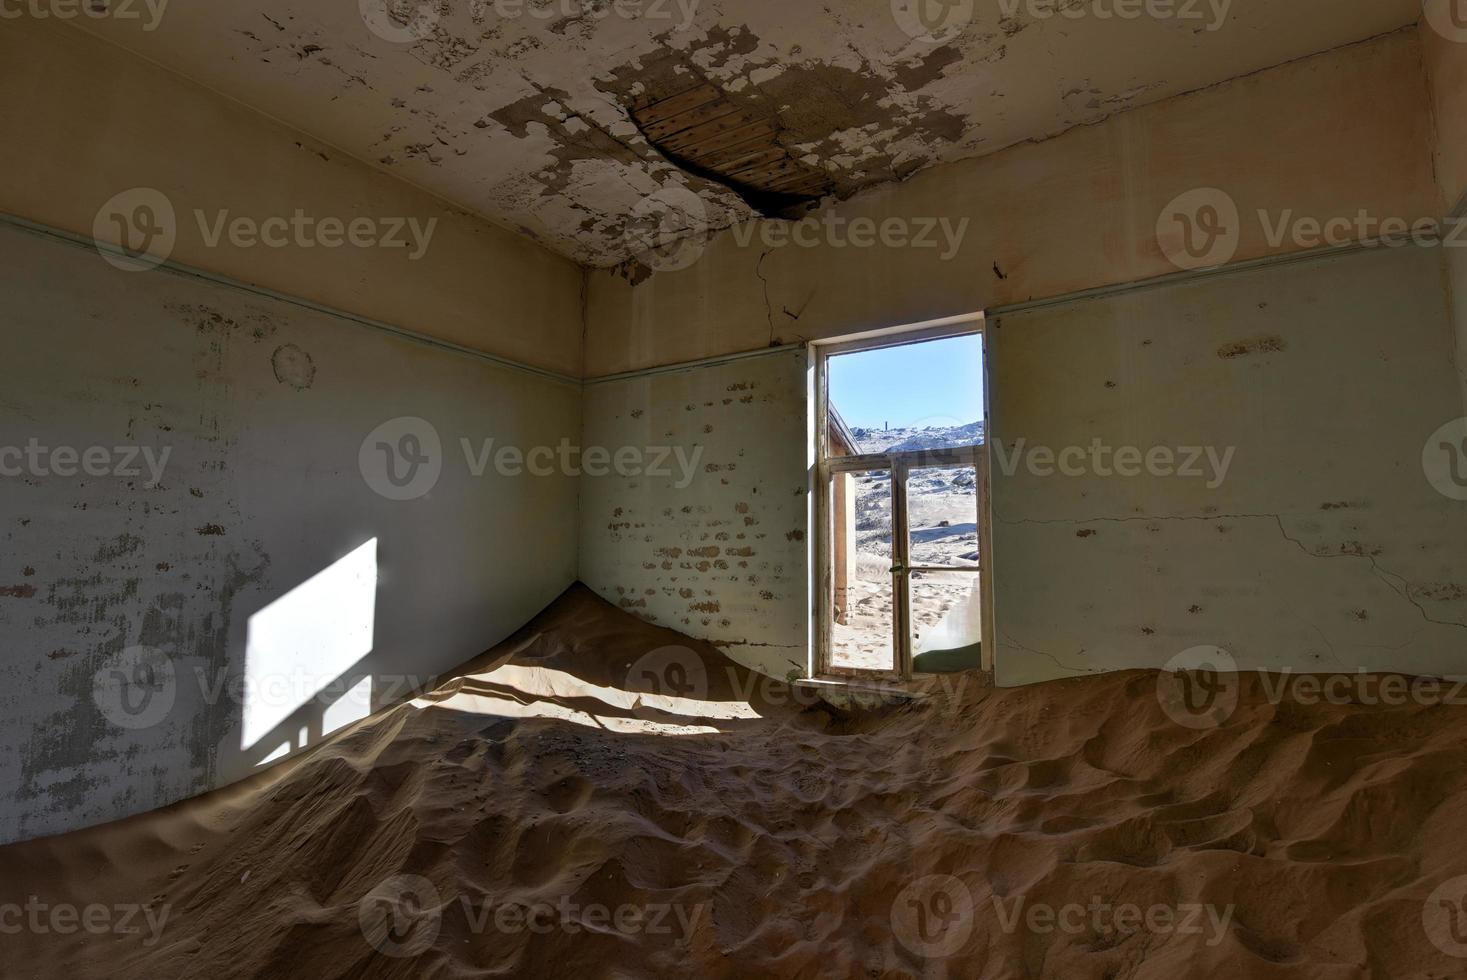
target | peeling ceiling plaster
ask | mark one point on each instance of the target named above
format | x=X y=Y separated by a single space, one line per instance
x=520 y=110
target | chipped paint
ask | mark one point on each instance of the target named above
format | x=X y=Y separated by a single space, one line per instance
x=526 y=119
x=1248 y=348
x=1325 y=548
x=261 y=493
x=694 y=562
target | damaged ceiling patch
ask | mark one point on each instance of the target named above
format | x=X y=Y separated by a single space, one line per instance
x=559 y=120
x=709 y=135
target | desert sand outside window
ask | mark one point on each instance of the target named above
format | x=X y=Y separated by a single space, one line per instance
x=867 y=628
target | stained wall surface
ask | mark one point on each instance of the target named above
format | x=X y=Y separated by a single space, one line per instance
x=228 y=520
x=1318 y=139
x=1444 y=49
x=717 y=550
x=85 y=122
x=1292 y=522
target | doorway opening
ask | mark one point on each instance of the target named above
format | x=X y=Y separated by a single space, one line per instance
x=902 y=504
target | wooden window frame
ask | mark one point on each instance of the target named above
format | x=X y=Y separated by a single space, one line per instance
x=899 y=465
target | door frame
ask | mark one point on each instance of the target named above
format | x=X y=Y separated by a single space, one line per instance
x=898 y=465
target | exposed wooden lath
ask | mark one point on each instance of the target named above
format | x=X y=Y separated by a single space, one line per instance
x=705 y=132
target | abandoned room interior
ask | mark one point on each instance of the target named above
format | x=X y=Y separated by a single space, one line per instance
x=665 y=488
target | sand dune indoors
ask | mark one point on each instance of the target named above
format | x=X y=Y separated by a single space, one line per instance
x=539 y=816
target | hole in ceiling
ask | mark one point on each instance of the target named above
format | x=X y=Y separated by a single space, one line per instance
x=707 y=134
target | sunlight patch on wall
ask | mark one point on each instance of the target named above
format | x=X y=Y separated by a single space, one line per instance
x=304 y=641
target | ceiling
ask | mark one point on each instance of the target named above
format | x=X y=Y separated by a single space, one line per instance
x=561 y=118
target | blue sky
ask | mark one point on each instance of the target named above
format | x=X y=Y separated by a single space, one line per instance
x=937 y=383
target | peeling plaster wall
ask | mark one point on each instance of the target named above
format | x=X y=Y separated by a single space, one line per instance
x=723 y=558
x=264 y=406
x=1325 y=547
x=517 y=110
x=84 y=120
x=1323 y=137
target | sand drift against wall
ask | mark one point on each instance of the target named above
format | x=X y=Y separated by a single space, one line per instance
x=768 y=837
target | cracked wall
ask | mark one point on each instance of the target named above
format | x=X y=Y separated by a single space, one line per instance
x=1281 y=564
x=1324 y=136
x=723 y=557
x=414 y=90
x=1324 y=548
x=1446 y=69
x=262 y=407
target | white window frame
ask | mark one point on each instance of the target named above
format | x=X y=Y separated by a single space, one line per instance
x=898 y=465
